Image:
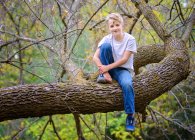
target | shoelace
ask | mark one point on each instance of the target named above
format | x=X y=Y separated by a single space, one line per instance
x=130 y=121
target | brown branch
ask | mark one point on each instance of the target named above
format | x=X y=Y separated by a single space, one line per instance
x=28 y=72
x=7 y=43
x=54 y=128
x=78 y=127
x=72 y=48
x=89 y=127
x=171 y=120
x=172 y=7
x=135 y=17
x=44 y=128
x=138 y=14
x=189 y=27
x=38 y=17
x=96 y=24
x=60 y=14
x=22 y=130
x=37 y=42
x=152 y=19
x=148 y=32
x=147 y=55
x=180 y=11
x=159 y=3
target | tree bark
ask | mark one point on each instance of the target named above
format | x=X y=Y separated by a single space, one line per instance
x=86 y=98
x=89 y=97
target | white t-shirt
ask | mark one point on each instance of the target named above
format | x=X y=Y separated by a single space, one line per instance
x=118 y=48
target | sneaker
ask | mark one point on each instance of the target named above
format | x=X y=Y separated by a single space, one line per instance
x=130 y=123
x=102 y=79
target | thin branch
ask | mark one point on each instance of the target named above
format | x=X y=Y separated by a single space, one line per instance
x=78 y=127
x=37 y=42
x=7 y=43
x=135 y=17
x=29 y=73
x=125 y=11
x=172 y=120
x=9 y=14
x=43 y=131
x=54 y=128
x=182 y=25
x=72 y=48
x=60 y=14
x=180 y=11
x=159 y=3
x=172 y=7
x=89 y=127
x=189 y=27
x=38 y=17
x=149 y=32
x=96 y=24
x=22 y=130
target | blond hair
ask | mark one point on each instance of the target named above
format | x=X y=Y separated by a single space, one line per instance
x=115 y=16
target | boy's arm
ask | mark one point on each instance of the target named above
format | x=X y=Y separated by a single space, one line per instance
x=96 y=58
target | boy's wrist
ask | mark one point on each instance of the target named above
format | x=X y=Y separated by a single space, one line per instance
x=109 y=67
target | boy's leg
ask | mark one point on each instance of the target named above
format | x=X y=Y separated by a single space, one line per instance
x=106 y=58
x=106 y=54
x=124 y=79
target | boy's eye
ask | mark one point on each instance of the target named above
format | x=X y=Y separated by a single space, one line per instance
x=117 y=25
x=111 y=26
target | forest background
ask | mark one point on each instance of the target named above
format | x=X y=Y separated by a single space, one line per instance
x=53 y=41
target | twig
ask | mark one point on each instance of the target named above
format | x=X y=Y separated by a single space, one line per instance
x=38 y=17
x=54 y=128
x=37 y=42
x=171 y=120
x=159 y=3
x=22 y=130
x=72 y=48
x=43 y=131
x=29 y=73
x=172 y=7
x=180 y=12
x=78 y=126
x=148 y=32
x=89 y=127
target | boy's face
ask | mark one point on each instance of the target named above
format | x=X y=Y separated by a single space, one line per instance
x=115 y=27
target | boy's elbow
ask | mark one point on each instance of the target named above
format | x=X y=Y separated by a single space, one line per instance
x=94 y=58
x=125 y=60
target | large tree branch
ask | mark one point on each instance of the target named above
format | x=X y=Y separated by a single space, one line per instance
x=148 y=54
x=152 y=19
x=40 y=100
x=88 y=97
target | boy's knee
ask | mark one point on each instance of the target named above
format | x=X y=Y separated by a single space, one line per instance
x=127 y=84
x=106 y=47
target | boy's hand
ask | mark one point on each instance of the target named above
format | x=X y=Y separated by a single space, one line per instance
x=103 y=68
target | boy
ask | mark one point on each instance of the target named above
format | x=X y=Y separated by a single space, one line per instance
x=114 y=59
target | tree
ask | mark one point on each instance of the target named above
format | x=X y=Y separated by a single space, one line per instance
x=83 y=97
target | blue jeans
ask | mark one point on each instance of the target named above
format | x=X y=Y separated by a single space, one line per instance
x=121 y=75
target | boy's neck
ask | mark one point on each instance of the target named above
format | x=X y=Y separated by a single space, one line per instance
x=119 y=37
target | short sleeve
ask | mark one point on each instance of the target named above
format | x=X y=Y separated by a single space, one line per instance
x=131 y=46
x=104 y=40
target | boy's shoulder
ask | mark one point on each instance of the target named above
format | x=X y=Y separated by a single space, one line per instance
x=129 y=36
x=109 y=36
